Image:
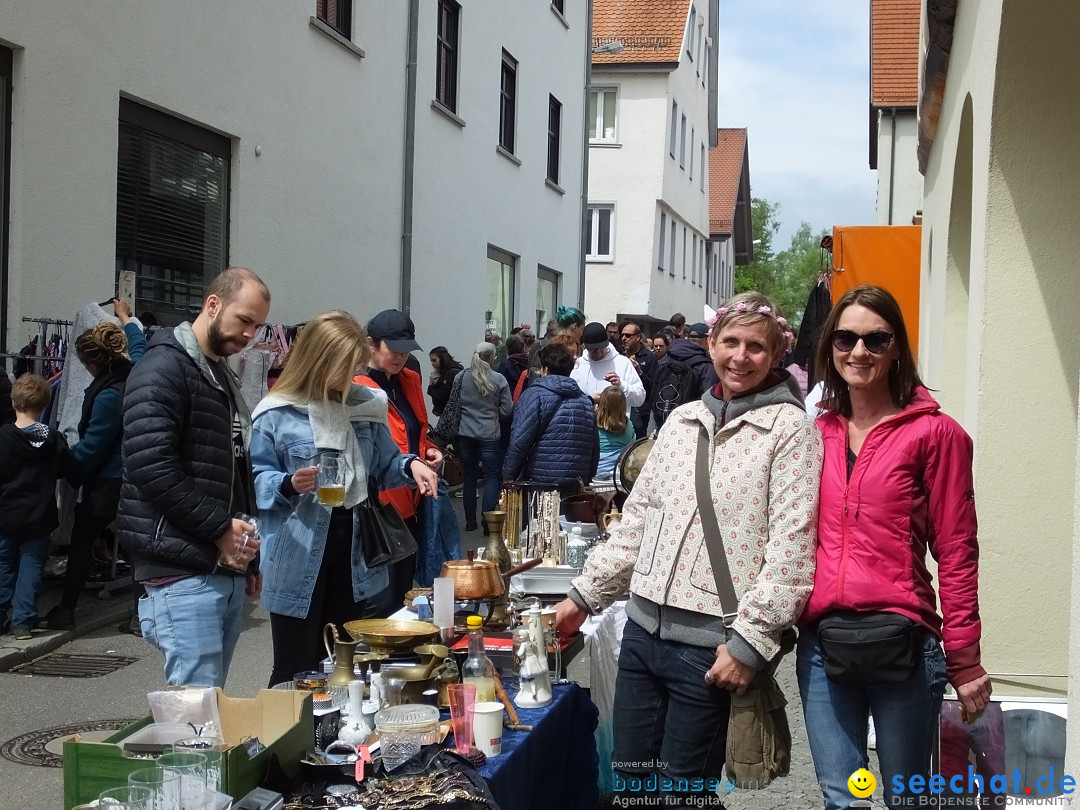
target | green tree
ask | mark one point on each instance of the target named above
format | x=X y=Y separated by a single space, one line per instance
x=787 y=276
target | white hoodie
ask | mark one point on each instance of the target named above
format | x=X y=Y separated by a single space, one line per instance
x=589 y=375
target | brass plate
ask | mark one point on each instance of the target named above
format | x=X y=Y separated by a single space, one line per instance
x=391 y=634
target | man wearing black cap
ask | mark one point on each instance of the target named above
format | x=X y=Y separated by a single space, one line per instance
x=684 y=373
x=601 y=366
x=393 y=336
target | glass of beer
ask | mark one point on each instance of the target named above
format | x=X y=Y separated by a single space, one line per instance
x=331 y=480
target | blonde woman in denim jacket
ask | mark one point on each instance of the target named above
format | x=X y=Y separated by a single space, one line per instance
x=313 y=566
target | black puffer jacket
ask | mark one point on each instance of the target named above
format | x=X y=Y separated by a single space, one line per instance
x=7 y=411
x=178 y=459
x=554 y=438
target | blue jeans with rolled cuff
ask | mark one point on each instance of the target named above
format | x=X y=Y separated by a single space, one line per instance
x=22 y=563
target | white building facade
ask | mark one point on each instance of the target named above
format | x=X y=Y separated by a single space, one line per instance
x=651 y=127
x=299 y=139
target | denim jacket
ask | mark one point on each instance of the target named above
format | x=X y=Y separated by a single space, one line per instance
x=294 y=530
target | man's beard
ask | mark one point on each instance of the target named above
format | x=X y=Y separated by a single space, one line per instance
x=219 y=343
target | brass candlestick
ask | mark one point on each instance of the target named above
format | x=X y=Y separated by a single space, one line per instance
x=498 y=553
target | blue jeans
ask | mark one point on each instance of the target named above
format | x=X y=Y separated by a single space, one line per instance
x=905 y=717
x=21 y=565
x=473 y=453
x=666 y=716
x=195 y=622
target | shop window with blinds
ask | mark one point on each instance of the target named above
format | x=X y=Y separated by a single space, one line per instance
x=172 y=210
x=547 y=297
x=502 y=281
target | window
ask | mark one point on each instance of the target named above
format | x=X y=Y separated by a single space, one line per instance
x=5 y=160
x=682 y=143
x=559 y=6
x=507 y=102
x=691 y=30
x=693 y=267
x=502 y=276
x=598 y=235
x=446 y=54
x=671 y=265
x=674 y=124
x=547 y=295
x=602 y=102
x=702 y=171
x=172 y=209
x=663 y=236
x=554 y=127
x=337 y=14
x=691 y=153
x=684 y=251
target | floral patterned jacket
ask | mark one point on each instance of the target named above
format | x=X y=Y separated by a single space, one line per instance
x=765 y=469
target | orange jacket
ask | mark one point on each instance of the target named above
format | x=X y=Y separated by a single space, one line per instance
x=404 y=499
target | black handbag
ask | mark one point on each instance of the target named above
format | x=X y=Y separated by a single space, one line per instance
x=867 y=648
x=385 y=536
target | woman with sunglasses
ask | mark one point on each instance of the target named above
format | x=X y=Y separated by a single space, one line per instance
x=896 y=483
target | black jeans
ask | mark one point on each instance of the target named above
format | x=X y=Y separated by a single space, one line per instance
x=298 y=643
x=639 y=418
x=667 y=722
x=92 y=515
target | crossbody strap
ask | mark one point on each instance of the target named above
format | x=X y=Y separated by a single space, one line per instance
x=710 y=527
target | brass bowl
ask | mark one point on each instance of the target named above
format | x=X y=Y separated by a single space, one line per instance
x=475 y=580
x=391 y=634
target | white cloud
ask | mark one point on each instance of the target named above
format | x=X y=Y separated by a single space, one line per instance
x=795 y=73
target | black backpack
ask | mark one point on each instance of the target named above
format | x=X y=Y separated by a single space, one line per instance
x=675 y=385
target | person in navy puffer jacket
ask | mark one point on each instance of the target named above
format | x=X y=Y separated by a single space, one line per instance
x=554 y=439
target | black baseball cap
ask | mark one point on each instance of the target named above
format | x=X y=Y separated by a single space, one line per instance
x=395 y=329
x=594 y=336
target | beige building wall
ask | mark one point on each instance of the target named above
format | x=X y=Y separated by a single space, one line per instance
x=999 y=337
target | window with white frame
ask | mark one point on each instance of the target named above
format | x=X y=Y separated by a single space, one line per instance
x=663 y=240
x=693 y=268
x=603 y=102
x=691 y=30
x=684 y=253
x=692 y=139
x=701 y=176
x=682 y=143
x=671 y=254
x=674 y=126
x=703 y=280
x=600 y=233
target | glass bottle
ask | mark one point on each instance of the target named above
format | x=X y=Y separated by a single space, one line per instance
x=478 y=669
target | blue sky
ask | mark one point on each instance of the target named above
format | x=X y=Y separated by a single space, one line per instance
x=795 y=73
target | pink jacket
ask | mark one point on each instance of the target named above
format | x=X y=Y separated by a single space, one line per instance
x=910 y=491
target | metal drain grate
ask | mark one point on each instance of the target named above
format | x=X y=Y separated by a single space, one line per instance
x=74 y=665
x=33 y=747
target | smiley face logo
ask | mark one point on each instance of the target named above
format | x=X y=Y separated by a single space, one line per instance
x=861 y=783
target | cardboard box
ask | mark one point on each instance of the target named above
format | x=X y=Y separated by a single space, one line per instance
x=280 y=718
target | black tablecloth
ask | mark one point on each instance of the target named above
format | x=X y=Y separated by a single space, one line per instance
x=555 y=764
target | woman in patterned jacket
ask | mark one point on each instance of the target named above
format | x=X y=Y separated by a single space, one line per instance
x=681 y=657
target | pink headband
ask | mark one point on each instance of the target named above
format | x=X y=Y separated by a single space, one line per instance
x=742 y=308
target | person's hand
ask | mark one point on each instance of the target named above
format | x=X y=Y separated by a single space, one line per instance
x=122 y=309
x=613 y=378
x=434 y=458
x=974 y=696
x=253 y=586
x=569 y=617
x=427 y=480
x=303 y=480
x=729 y=673
x=234 y=545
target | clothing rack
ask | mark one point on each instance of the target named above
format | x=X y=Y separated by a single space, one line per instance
x=46 y=351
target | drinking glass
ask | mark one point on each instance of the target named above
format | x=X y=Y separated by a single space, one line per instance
x=331 y=480
x=128 y=797
x=210 y=747
x=164 y=787
x=462 y=697
x=191 y=768
x=240 y=562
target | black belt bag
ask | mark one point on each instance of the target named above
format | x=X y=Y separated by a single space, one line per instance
x=868 y=648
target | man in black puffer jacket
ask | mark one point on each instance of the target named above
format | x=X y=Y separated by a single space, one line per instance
x=187 y=475
x=554 y=439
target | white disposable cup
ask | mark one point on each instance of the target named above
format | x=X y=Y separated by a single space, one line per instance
x=488 y=727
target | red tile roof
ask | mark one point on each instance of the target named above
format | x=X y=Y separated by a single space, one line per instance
x=650 y=30
x=725 y=171
x=894 y=53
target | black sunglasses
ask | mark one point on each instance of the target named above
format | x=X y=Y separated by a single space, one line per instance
x=875 y=342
